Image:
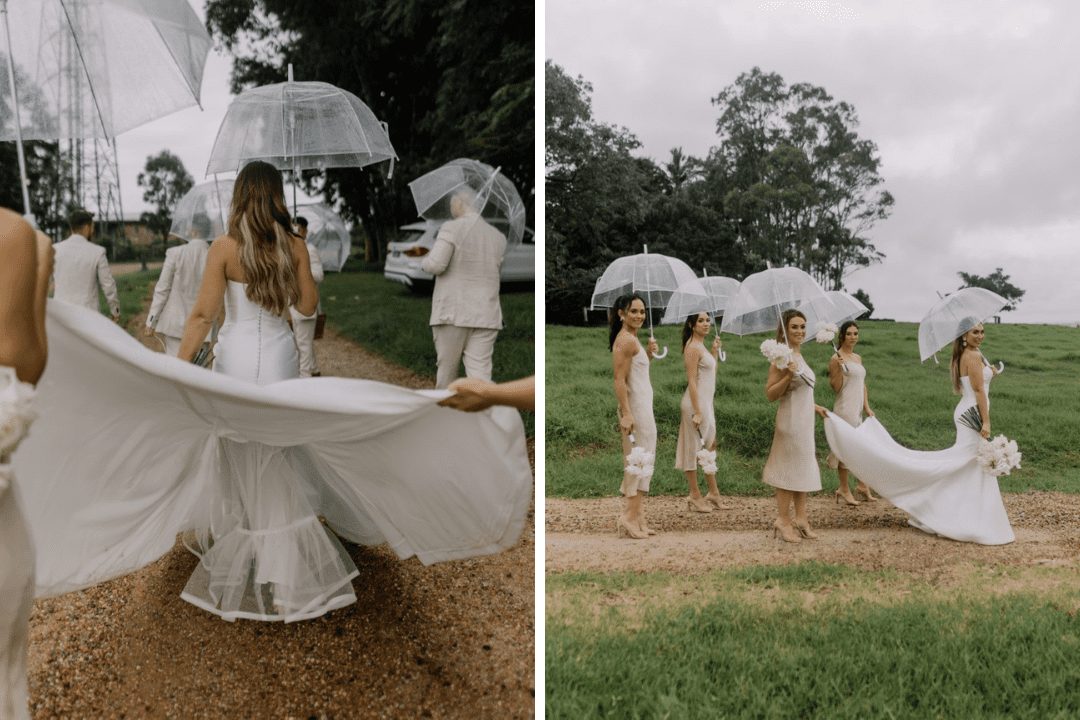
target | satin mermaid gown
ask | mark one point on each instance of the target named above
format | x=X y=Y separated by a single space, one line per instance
x=946 y=492
x=252 y=468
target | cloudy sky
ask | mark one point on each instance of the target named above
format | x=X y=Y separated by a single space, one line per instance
x=188 y=133
x=974 y=106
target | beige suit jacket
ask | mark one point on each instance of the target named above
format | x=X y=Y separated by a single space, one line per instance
x=465 y=261
x=79 y=268
x=178 y=287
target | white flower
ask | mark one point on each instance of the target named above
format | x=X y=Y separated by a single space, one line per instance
x=998 y=456
x=707 y=460
x=776 y=353
x=16 y=410
x=826 y=331
x=640 y=463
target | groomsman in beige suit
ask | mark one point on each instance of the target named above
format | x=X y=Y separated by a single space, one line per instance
x=178 y=286
x=80 y=267
x=465 y=312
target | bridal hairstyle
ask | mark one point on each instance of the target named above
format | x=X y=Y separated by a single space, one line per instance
x=957 y=351
x=688 y=329
x=785 y=318
x=842 y=333
x=259 y=223
x=614 y=321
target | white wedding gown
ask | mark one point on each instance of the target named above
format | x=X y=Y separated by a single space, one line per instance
x=946 y=492
x=134 y=447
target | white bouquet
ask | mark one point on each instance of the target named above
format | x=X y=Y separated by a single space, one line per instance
x=707 y=460
x=16 y=414
x=999 y=456
x=640 y=463
x=826 y=331
x=776 y=353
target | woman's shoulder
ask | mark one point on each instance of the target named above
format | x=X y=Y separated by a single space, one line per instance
x=626 y=344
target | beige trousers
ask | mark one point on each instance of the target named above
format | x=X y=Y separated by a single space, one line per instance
x=453 y=344
x=304 y=331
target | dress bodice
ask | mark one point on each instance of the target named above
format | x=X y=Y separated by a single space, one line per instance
x=239 y=309
x=850 y=397
x=254 y=344
x=639 y=385
x=706 y=374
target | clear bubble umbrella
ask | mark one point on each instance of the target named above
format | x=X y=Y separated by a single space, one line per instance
x=654 y=277
x=299 y=126
x=203 y=212
x=955 y=314
x=328 y=233
x=690 y=298
x=763 y=296
x=491 y=194
x=95 y=68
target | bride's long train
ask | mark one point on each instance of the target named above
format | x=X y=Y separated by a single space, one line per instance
x=133 y=448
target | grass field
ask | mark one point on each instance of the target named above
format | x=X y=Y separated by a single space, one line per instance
x=1036 y=402
x=813 y=641
x=134 y=291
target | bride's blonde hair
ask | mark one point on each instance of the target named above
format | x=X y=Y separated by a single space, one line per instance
x=259 y=223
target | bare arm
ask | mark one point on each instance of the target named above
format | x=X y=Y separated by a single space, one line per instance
x=622 y=357
x=690 y=360
x=971 y=366
x=25 y=267
x=777 y=382
x=836 y=372
x=471 y=394
x=208 y=303
x=309 y=293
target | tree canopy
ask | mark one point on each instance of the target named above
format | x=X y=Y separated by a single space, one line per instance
x=789 y=183
x=164 y=180
x=450 y=79
x=996 y=281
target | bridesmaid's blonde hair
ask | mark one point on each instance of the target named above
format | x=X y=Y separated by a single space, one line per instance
x=259 y=223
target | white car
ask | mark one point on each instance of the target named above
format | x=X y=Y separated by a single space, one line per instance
x=403 y=258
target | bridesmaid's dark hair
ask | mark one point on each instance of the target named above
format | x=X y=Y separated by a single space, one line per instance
x=614 y=321
x=785 y=318
x=842 y=332
x=688 y=328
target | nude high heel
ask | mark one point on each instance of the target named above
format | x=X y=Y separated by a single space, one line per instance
x=713 y=500
x=806 y=532
x=625 y=529
x=786 y=532
x=698 y=504
x=847 y=500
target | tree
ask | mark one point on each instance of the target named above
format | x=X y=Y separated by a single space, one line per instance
x=996 y=281
x=803 y=188
x=450 y=79
x=864 y=297
x=164 y=181
x=681 y=170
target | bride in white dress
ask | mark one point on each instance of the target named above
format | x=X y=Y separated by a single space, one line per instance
x=946 y=492
x=253 y=466
x=25 y=267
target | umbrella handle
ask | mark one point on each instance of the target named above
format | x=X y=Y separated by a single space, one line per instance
x=1000 y=367
x=661 y=355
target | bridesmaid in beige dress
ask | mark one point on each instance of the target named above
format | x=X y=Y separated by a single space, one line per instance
x=25 y=266
x=792 y=468
x=847 y=376
x=698 y=417
x=633 y=390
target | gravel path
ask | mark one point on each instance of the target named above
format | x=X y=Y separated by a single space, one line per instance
x=581 y=536
x=452 y=640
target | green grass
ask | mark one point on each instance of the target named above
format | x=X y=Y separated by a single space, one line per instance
x=134 y=291
x=386 y=318
x=807 y=641
x=1036 y=402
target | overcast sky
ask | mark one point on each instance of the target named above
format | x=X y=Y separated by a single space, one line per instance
x=189 y=133
x=974 y=106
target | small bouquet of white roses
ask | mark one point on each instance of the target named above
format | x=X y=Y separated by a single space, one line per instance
x=825 y=333
x=999 y=456
x=639 y=462
x=707 y=460
x=16 y=414
x=777 y=353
